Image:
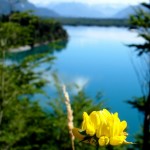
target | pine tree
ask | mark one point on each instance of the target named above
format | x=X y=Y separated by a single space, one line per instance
x=141 y=23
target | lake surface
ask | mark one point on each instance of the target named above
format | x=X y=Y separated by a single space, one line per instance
x=98 y=60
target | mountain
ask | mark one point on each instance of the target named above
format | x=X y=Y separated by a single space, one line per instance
x=109 y=10
x=6 y=6
x=77 y=9
x=74 y=9
x=70 y=9
x=130 y=10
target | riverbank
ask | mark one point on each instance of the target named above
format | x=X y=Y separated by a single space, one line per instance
x=20 y=49
x=25 y=48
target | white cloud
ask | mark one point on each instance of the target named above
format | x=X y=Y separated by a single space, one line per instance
x=81 y=82
x=44 y=2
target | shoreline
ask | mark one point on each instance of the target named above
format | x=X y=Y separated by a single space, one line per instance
x=25 y=48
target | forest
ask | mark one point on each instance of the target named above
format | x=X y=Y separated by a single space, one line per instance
x=28 y=29
x=94 y=21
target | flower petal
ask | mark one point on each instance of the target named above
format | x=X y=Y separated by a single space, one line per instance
x=87 y=125
x=117 y=140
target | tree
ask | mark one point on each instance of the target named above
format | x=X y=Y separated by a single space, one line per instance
x=40 y=30
x=13 y=35
x=28 y=29
x=21 y=119
x=141 y=23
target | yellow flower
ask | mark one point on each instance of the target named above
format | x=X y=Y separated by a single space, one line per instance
x=88 y=125
x=103 y=128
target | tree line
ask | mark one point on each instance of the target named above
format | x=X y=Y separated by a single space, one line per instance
x=24 y=28
x=94 y=22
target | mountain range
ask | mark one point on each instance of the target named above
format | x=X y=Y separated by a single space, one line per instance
x=76 y=9
x=6 y=6
x=69 y=9
x=127 y=11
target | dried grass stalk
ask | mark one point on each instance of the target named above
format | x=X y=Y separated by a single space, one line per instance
x=70 y=115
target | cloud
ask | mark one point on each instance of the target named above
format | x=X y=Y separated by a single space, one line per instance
x=81 y=82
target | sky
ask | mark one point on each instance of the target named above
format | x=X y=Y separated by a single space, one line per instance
x=90 y=2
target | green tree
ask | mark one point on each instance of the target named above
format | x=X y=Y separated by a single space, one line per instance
x=141 y=23
x=40 y=30
x=28 y=29
x=13 y=35
x=21 y=119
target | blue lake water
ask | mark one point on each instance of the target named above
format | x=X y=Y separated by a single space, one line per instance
x=98 y=60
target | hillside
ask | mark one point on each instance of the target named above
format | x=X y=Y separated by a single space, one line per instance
x=82 y=10
x=129 y=10
x=7 y=6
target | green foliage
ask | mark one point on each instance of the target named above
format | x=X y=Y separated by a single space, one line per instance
x=94 y=21
x=141 y=22
x=23 y=122
x=138 y=103
x=41 y=30
x=27 y=29
x=25 y=126
x=13 y=35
